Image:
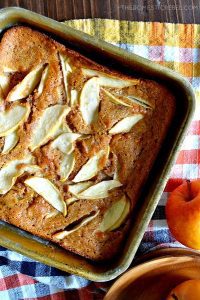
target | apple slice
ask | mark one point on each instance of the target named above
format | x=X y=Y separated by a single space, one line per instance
x=66 y=70
x=48 y=191
x=65 y=142
x=27 y=85
x=51 y=214
x=66 y=166
x=99 y=190
x=126 y=124
x=7 y=69
x=92 y=167
x=63 y=128
x=115 y=215
x=114 y=99
x=10 y=172
x=139 y=101
x=4 y=82
x=77 y=188
x=74 y=98
x=31 y=169
x=131 y=100
x=61 y=235
x=109 y=81
x=43 y=81
x=10 y=142
x=123 y=217
x=89 y=101
x=48 y=124
x=12 y=118
x=71 y=200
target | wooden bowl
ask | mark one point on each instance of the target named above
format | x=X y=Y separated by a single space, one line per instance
x=155 y=278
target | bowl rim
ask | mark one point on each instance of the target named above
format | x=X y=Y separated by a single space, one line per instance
x=160 y=256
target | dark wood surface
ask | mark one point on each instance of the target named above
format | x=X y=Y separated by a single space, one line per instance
x=182 y=11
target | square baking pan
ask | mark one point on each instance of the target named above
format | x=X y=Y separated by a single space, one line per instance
x=131 y=64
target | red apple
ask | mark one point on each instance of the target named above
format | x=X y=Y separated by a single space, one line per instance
x=187 y=290
x=183 y=213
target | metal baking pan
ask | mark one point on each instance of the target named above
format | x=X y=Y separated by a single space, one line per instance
x=100 y=51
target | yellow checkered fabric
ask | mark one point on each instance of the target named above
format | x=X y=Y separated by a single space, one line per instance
x=176 y=46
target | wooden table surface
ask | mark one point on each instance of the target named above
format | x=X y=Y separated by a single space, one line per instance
x=182 y=11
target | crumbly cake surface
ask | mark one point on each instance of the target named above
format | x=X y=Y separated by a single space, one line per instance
x=127 y=157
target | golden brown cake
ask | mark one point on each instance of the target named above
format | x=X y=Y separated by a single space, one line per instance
x=77 y=143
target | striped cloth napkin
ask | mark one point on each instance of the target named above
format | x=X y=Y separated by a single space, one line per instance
x=176 y=46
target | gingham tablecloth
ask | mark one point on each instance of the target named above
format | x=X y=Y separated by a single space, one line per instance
x=176 y=46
